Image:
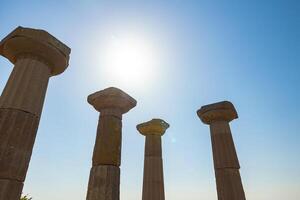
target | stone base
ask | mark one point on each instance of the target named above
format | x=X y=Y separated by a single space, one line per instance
x=104 y=183
x=17 y=135
x=229 y=184
x=10 y=190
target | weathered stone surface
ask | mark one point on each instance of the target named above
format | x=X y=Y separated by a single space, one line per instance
x=153 y=127
x=112 y=98
x=153 y=146
x=26 y=86
x=107 y=150
x=17 y=135
x=223 y=146
x=153 y=185
x=27 y=41
x=104 y=183
x=10 y=190
x=221 y=111
x=112 y=103
x=218 y=116
x=229 y=184
x=37 y=55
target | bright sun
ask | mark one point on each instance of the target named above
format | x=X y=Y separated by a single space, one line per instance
x=129 y=60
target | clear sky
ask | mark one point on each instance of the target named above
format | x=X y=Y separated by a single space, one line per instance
x=172 y=57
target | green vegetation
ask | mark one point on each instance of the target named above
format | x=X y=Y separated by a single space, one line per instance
x=26 y=197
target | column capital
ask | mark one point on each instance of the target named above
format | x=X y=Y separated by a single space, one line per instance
x=38 y=44
x=111 y=100
x=221 y=111
x=153 y=127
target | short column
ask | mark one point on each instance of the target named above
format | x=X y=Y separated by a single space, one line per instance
x=153 y=183
x=104 y=181
x=36 y=56
x=226 y=164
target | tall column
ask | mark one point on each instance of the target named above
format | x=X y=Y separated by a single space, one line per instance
x=153 y=184
x=36 y=56
x=104 y=182
x=228 y=179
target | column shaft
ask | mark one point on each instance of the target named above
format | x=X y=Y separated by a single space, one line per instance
x=37 y=55
x=228 y=180
x=153 y=146
x=104 y=178
x=107 y=150
x=17 y=135
x=153 y=184
x=20 y=108
x=10 y=190
x=26 y=87
x=104 y=183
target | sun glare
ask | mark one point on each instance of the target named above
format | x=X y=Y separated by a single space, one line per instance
x=129 y=61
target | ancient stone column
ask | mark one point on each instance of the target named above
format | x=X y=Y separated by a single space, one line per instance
x=104 y=182
x=153 y=184
x=36 y=56
x=228 y=179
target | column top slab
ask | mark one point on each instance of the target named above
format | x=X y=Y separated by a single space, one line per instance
x=111 y=98
x=221 y=111
x=38 y=43
x=153 y=127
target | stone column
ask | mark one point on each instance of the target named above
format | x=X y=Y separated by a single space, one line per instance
x=153 y=184
x=36 y=56
x=228 y=179
x=104 y=182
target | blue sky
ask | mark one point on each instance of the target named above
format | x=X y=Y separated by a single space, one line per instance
x=247 y=52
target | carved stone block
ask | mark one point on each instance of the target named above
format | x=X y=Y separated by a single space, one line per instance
x=10 y=190
x=107 y=150
x=17 y=135
x=104 y=183
x=229 y=184
x=223 y=146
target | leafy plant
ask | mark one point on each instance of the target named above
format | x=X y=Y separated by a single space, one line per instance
x=26 y=197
